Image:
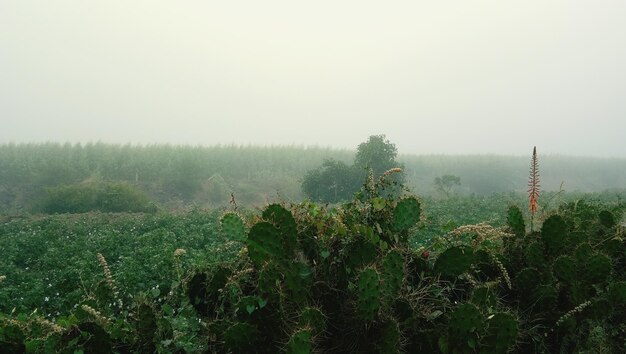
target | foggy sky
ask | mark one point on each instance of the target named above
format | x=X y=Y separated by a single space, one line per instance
x=435 y=76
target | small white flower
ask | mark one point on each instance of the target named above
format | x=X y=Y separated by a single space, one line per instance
x=46 y=299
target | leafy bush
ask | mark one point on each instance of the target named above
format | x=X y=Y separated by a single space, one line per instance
x=105 y=197
x=335 y=181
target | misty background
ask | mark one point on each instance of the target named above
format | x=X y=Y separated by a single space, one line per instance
x=454 y=77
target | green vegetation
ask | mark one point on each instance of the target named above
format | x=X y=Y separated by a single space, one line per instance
x=378 y=271
x=105 y=197
x=335 y=181
x=178 y=177
x=308 y=278
x=445 y=183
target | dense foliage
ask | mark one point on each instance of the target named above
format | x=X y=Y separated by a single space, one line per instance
x=345 y=279
x=96 y=196
x=335 y=181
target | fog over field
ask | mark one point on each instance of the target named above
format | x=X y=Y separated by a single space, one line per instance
x=454 y=77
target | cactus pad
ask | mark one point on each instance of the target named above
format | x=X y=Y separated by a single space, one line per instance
x=241 y=337
x=607 y=219
x=389 y=338
x=583 y=252
x=466 y=323
x=300 y=342
x=298 y=281
x=534 y=255
x=264 y=244
x=554 y=234
x=313 y=318
x=406 y=214
x=526 y=280
x=564 y=268
x=146 y=328
x=392 y=273
x=617 y=293
x=368 y=294
x=233 y=227
x=597 y=269
x=501 y=334
x=515 y=220
x=285 y=223
x=484 y=298
x=454 y=261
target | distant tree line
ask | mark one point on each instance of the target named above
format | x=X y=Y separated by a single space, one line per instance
x=182 y=176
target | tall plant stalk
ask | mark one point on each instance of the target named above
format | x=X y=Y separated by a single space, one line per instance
x=533 y=187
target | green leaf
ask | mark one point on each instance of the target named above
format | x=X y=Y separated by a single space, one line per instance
x=250 y=309
x=378 y=204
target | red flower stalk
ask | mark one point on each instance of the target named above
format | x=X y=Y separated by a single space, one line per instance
x=533 y=184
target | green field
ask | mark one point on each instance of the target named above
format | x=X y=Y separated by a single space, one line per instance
x=384 y=272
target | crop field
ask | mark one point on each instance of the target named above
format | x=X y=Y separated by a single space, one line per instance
x=178 y=261
x=215 y=281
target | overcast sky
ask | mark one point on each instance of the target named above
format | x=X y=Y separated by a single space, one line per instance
x=435 y=76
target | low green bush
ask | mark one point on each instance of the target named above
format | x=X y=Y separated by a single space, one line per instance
x=101 y=196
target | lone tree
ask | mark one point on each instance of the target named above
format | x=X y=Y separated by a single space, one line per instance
x=445 y=183
x=335 y=181
x=376 y=153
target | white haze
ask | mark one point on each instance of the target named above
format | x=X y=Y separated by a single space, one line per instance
x=454 y=77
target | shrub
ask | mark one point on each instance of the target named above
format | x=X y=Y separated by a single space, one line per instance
x=100 y=196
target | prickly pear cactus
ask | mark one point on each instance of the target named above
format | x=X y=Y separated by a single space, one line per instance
x=233 y=227
x=597 y=269
x=564 y=269
x=300 y=342
x=251 y=307
x=269 y=277
x=406 y=214
x=484 y=298
x=146 y=328
x=501 y=334
x=526 y=280
x=360 y=253
x=312 y=317
x=392 y=273
x=285 y=223
x=389 y=338
x=465 y=326
x=515 y=220
x=96 y=339
x=454 y=261
x=617 y=293
x=241 y=337
x=583 y=252
x=265 y=244
x=554 y=234
x=204 y=290
x=544 y=298
x=607 y=219
x=298 y=280
x=368 y=294
x=534 y=255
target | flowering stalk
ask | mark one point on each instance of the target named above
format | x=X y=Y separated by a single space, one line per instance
x=533 y=187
